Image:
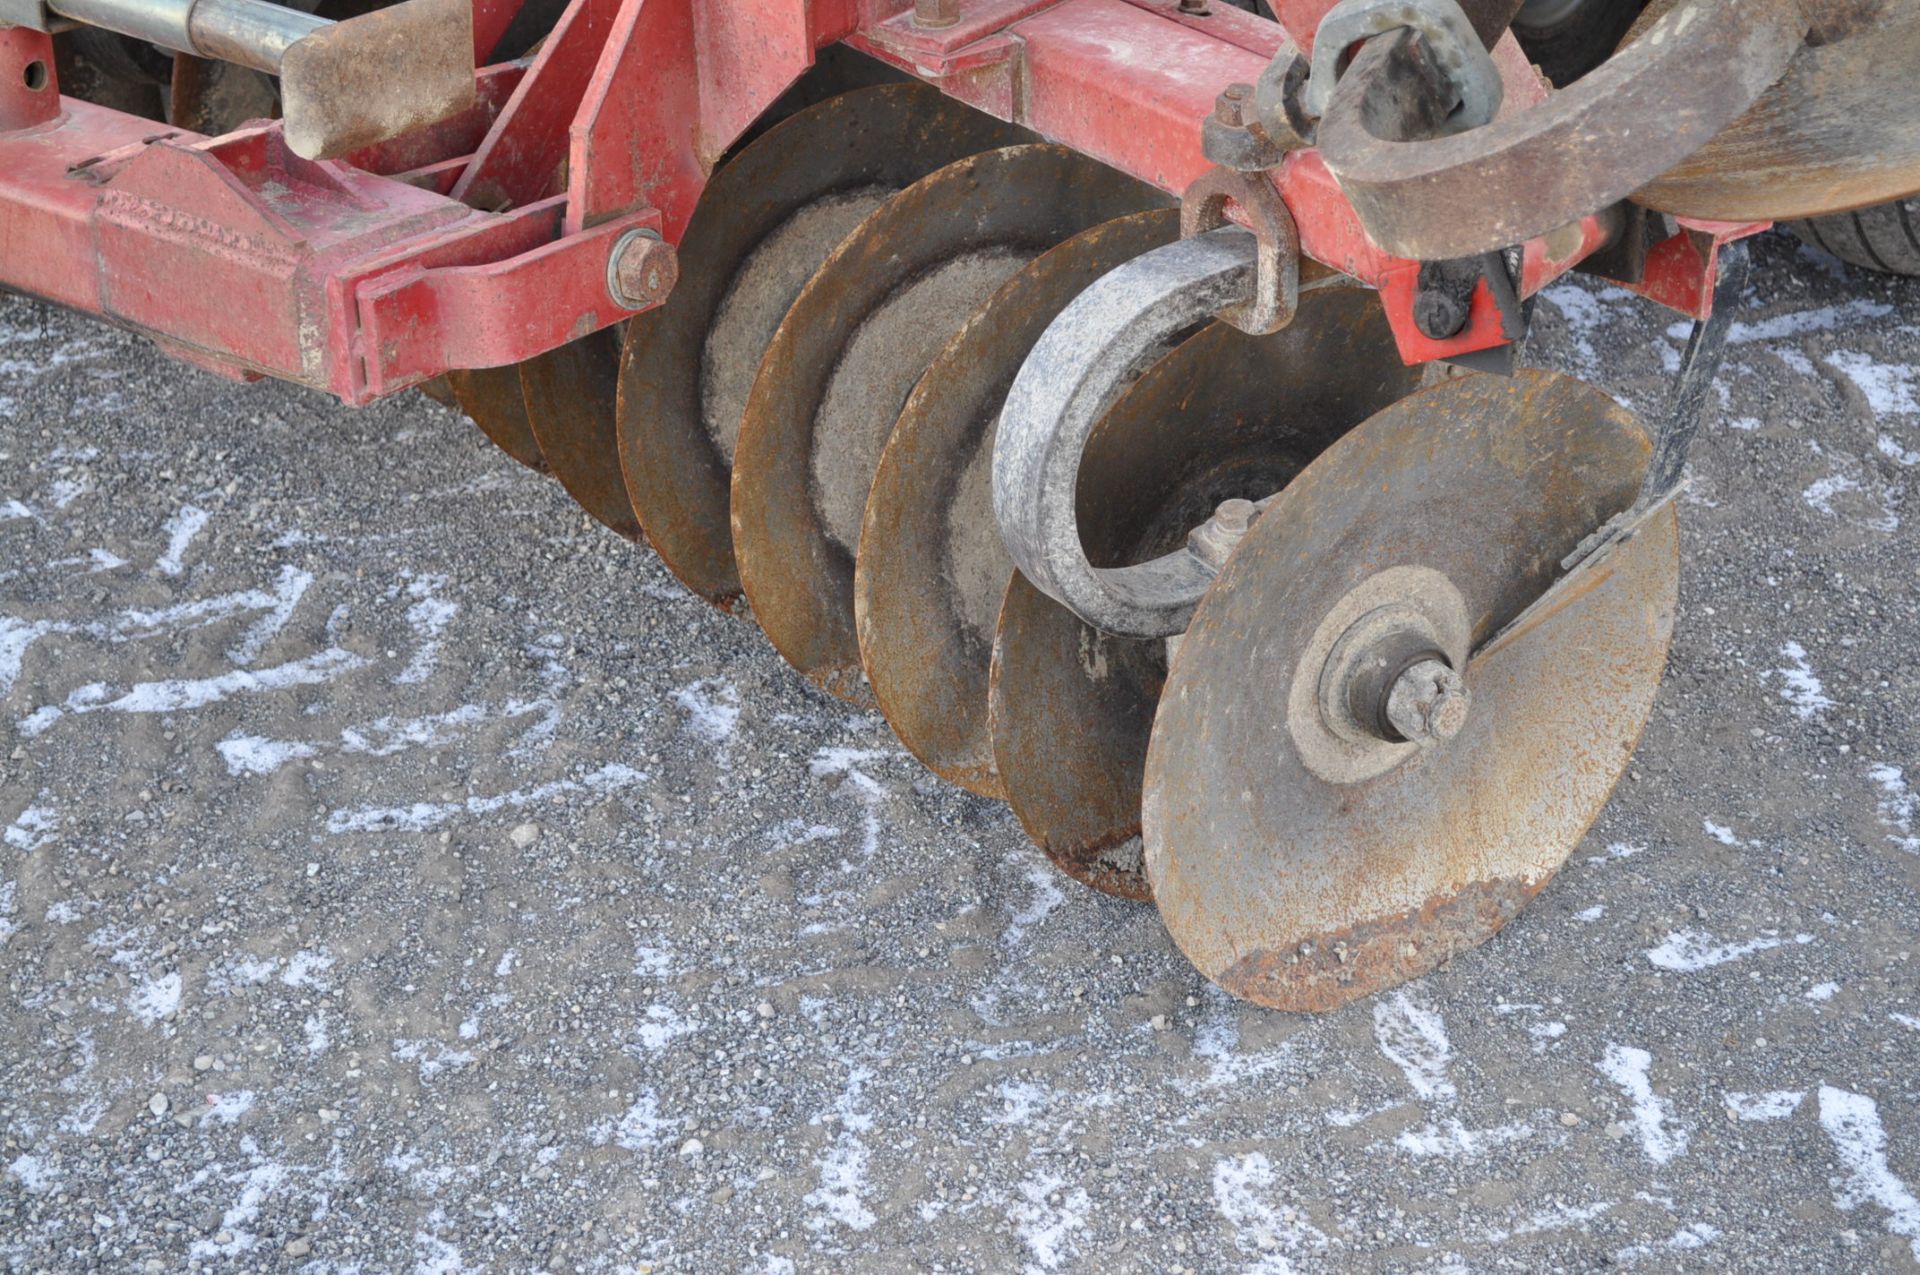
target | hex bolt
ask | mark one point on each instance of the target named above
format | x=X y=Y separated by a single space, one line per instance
x=1428 y=703
x=1213 y=541
x=1438 y=314
x=1233 y=105
x=932 y=14
x=642 y=269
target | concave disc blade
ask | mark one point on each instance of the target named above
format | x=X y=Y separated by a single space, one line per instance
x=931 y=568
x=1224 y=415
x=570 y=396
x=849 y=352
x=491 y=397
x=1302 y=893
x=1836 y=132
x=764 y=224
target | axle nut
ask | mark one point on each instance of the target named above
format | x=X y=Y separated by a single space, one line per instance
x=642 y=270
x=1428 y=703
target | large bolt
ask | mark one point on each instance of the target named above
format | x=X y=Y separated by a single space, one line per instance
x=1234 y=105
x=642 y=270
x=1213 y=541
x=1438 y=314
x=929 y=14
x=1428 y=703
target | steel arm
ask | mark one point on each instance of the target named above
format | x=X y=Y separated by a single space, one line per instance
x=484 y=240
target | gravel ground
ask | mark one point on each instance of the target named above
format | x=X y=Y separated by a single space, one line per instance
x=398 y=873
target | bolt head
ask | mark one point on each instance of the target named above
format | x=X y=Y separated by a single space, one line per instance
x=1437 y=315
x=1428 y=703
x=645 y=268
x=1232 y=106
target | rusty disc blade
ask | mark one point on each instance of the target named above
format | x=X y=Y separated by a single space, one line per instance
x=848 y=353
x=1223 y=415
x=763 y=226
x=491 y=397
x=931 y=569
x=1840 y=130
x=1293 y=884
x=570 y=395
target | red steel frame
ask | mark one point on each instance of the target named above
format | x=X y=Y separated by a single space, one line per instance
x=485 y=240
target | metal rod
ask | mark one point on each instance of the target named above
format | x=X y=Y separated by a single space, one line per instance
x=248 y=32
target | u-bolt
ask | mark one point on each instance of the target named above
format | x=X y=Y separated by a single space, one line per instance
x=1079 y=368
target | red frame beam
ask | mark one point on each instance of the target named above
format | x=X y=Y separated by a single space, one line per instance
x=484 y=240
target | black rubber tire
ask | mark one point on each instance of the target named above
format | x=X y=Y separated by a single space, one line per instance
x=1885 y=237
x=1583 y=39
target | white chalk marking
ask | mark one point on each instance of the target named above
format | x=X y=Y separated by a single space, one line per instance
x=1630 y=1069
x=422 y=816
x=1799 y=687
x=843 y=1169
x=1775 y=1104
x=1690 y=951
x=1242 y=1186
x=174 y=696
x=180 y=531
x=1852 y=1122
x=33 y=827
x=1898 y=807
x=1415 y=1039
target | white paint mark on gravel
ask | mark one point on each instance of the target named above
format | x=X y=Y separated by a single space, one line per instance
x=33 y=827
x=1898 y=805
x=1852 y=1122
x=226 y=1108
x=1044 y=878
x=712 y=707
x=1775 y=1104
x=1800 y=322
x=1414 y=1038
x=1798 y=686
x=1242 y=1188
x=433 y=1056
x=640 y=1128
x=1660 y=1136
x=256 y=1184
x=1694 y=1235
x=428 y=617
x=1216 y=1038
x=421 y=816
x=258 y=755
x=843 y=1169
x=1822 y=991
x=1045 y=1218
x=180 y=532
x=34 y=1173
x=153 y=999
x=1690 y=951
x=661 y=1026
x=172 y=696
x=1721 y=833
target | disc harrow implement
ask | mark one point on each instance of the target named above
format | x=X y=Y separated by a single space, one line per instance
x=1047 y=374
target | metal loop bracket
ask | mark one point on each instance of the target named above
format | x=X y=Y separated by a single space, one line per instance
x=1276 y=289
x=1455 y=47
x=1087 y=358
